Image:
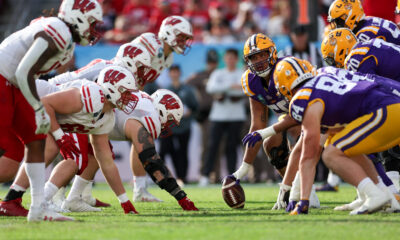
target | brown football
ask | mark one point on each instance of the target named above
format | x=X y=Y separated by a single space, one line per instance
x=233 y=193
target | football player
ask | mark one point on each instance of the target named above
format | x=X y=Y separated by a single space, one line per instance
x=261 y=57
x=175 y=35
x=44 y=45
x=350 y=14
x=316 y=103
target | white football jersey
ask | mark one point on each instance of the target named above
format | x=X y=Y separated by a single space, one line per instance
x=144 y=112
x=14 y=47
x=90 y=120
x=89 y=72
x=156 y=49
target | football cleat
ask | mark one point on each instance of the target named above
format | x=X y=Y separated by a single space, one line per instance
x=144 y=196
x=128 y=208
x=372 y=204
x=327 y=188
x=42 y=213
x=13 y=208
x=301 y=208
x=101 y=204
x=59 y=197
x=350 y=206
x=291 y=206
x=314 y=200
x=187 y=204
x=78 y=205
x=56 y=208
x=394 y=206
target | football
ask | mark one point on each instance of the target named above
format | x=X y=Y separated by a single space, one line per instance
x=232 y=192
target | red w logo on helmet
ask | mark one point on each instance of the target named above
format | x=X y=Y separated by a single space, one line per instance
x=172 y=21
x=169 y=102
x=132 y=52
x=84 y=5
x=113 y=76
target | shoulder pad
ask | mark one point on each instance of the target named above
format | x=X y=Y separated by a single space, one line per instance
x=245 y=83
x=92 y=97
x=58 y=31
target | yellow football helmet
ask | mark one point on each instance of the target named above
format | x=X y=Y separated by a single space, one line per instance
x=290 y=72
x=259 y=43
x=345 y=13
x=337 y=45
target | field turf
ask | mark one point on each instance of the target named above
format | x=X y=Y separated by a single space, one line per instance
x=215 y=220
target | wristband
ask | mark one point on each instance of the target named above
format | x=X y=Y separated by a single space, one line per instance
x=267 y=132
x=58 y=134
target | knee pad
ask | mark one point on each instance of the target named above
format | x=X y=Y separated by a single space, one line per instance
x=152 y=162
x=391 y=159
x=280 y=154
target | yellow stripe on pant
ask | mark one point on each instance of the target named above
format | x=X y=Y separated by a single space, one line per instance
x=374 y=132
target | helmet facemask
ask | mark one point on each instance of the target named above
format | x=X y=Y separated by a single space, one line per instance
x=182 y=43
x=262 y=67
x=166 y=128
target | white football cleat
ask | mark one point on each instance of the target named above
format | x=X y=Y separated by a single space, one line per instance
x=59 y=197
x=350 y=206
x=56 y=208
x=42 y=213
x=394 y=206
x=78 y=205
x=314 y=201
x=372 y=204
x=144 y=196
x=90 y=200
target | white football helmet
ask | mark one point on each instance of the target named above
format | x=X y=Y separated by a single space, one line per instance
x=118 y=84
x=177 y=32
x=136 y=59
x=83 y=15
x=170 y=108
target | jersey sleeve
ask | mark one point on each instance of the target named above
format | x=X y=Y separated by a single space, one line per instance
x=92 y=97
x=299 y=103
x=357 y=57
x=245 y=84
x=59 y=32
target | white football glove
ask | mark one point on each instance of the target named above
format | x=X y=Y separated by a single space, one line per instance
x=280 y=202
x=42 y=121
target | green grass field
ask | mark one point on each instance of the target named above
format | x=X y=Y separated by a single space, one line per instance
x=215 y=220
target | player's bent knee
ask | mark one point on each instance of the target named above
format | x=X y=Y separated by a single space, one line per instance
x=152 y=162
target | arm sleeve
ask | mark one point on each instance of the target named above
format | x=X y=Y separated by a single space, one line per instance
x=38 y=47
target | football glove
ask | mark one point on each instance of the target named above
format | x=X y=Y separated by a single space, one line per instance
x=67 y=146
x=128 y=208
x=187 y=204
x=42 y=121
x=283 y=192
x=251 y=139
x=301 y=208
x=291 y=206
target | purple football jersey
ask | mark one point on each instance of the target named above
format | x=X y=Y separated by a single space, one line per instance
x=375 y=56
x=375 y=27
x=266 y=93
x=343 y=100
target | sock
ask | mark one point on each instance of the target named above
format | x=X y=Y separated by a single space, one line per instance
x=77 y=188
x=333 y=179
x=381 y=171
x=49 y=190
x=14 y=192
x=36 y=173
x=295 y=191
x=139 y=183
x=123 y=198
x=395 y=177
x=380 y=184
x=87 y=192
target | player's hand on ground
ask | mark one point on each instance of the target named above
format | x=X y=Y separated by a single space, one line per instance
x=128 y=208
x=280 y=201
x=42 y=121
x=187 y=204
x=291 y=206
x=251 y=139
x=301 y=208
x=67 y=146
